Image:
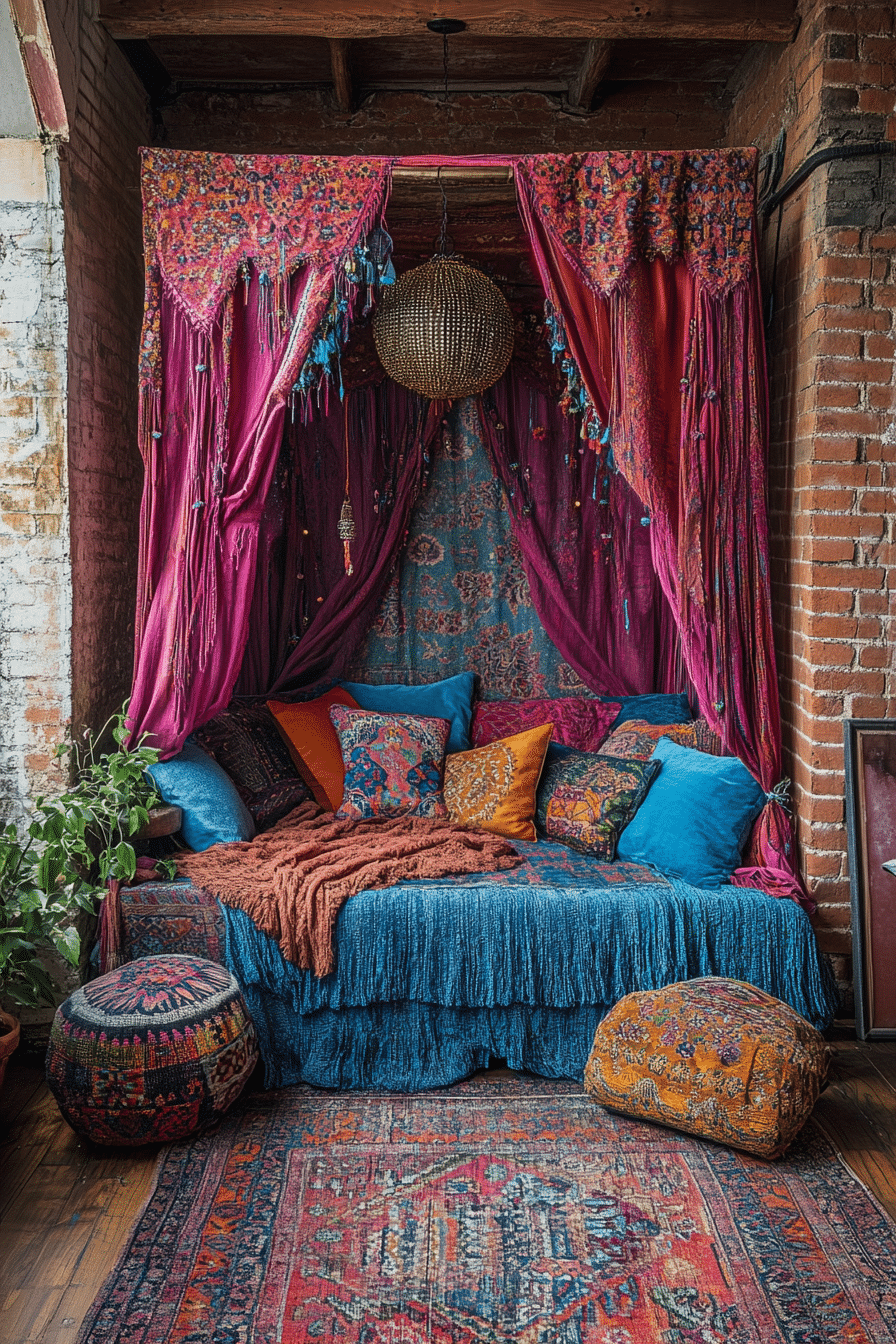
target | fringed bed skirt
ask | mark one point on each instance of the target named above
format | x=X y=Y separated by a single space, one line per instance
x=433 y=980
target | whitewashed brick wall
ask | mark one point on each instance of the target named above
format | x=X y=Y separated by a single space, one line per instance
x=35 y=556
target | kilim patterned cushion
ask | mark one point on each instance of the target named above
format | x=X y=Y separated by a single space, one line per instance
x=394 y=763
x=635 y=739
x=245 y=741
x=155 y=1050
x=713 y=1057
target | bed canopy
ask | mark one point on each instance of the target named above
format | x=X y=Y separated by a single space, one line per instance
x=648 y=265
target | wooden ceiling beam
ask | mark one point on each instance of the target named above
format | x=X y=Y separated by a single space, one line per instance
x=340 y=67
x=607 y=20
x=583 y=86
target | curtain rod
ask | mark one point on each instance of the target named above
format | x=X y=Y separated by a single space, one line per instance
x=404 y=173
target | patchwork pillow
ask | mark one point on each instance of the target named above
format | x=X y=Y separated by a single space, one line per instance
x=451 y=699
x=246 y=743
x=213 y=811
x=696 y=818
x=494 y=786
x=578 y=721
x=585 y=800
x=394 y=763
x=656 y=708
x=635 y=739
x=313 y=745
x=713 y=1057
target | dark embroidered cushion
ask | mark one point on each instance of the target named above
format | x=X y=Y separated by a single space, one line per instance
x=152 y=1051
x=585 y=800
x=246 y=743
x=577 y=720
x=635 y=739
x=394 y=763
x=713 y=1057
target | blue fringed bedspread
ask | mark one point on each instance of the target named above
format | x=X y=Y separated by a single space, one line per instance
x=435 y=978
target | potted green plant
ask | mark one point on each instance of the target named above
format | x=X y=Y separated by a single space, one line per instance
x=74 y=845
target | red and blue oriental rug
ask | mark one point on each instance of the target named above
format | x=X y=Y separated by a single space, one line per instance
x=491 y=1213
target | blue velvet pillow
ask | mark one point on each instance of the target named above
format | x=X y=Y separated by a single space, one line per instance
x=659 y=708
x=696 y=818
x=214 y=813
x=451 y=699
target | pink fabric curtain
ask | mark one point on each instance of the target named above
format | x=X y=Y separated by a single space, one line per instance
x=650 y=261
x=243 y=255
x=309 y=613
x=582 y=535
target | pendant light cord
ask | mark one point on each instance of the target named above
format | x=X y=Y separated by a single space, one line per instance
x=443 y=230
x=445 y=65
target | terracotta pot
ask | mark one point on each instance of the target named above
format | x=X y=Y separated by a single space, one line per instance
x=8 y=1041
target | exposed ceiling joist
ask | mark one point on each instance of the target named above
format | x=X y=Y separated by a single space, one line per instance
x=342 y=74
x=608 y=20
x=583 y=86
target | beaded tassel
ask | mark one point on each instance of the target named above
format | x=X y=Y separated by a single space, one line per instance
x=346 y=531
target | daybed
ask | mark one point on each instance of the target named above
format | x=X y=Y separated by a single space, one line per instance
x=434 y=980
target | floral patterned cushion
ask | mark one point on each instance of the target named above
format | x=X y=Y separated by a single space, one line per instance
x=394 y=763
x=494 y=786
x=246 y=743
x=636 y=739
x=713 y=1057
x=577 y=721
x=585 y=800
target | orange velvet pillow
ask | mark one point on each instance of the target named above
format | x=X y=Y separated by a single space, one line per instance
x=494 y=786
x=313 y=745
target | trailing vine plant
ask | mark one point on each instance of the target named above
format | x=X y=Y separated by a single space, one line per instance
x=73 y=847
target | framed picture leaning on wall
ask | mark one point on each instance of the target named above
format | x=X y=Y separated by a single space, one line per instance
x=870 y=749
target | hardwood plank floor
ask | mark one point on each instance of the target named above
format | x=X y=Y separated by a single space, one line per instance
x=66 y=1206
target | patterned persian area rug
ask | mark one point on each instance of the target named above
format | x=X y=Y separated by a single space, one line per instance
x=493 y=1212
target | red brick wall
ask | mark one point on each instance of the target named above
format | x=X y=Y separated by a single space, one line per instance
x=653 y=114
x=109 y=120
x=833 y=429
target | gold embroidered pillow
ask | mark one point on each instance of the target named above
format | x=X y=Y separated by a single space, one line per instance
x=494 y=786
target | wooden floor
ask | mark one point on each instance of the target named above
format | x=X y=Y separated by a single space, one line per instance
x=66 y=1206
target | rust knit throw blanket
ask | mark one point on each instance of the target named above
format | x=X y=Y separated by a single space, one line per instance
x=293 y=879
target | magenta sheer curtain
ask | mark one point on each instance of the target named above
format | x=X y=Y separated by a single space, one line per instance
x=309 y=613
x=585 y=548
x=243 y=255
x=649 y=259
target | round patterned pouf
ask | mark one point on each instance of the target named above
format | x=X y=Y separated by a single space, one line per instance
x=155 y=1050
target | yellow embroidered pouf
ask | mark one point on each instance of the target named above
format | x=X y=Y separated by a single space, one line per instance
x=713 y=1057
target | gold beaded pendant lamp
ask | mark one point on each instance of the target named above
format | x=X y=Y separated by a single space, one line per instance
x=444 y=330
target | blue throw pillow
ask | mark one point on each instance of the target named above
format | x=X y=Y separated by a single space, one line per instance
x=659 y=708
x=214 y=813
x=696 y=818
x=451 y=699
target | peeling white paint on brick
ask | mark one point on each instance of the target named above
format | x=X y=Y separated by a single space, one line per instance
x=35 y=553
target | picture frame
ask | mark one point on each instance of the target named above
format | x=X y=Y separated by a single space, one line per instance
x=870 y=758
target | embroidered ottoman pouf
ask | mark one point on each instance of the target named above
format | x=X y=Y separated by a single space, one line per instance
x=155 y=1050
x=713 y=1057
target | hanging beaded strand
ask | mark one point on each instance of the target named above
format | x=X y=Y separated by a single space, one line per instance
x=346 y=528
